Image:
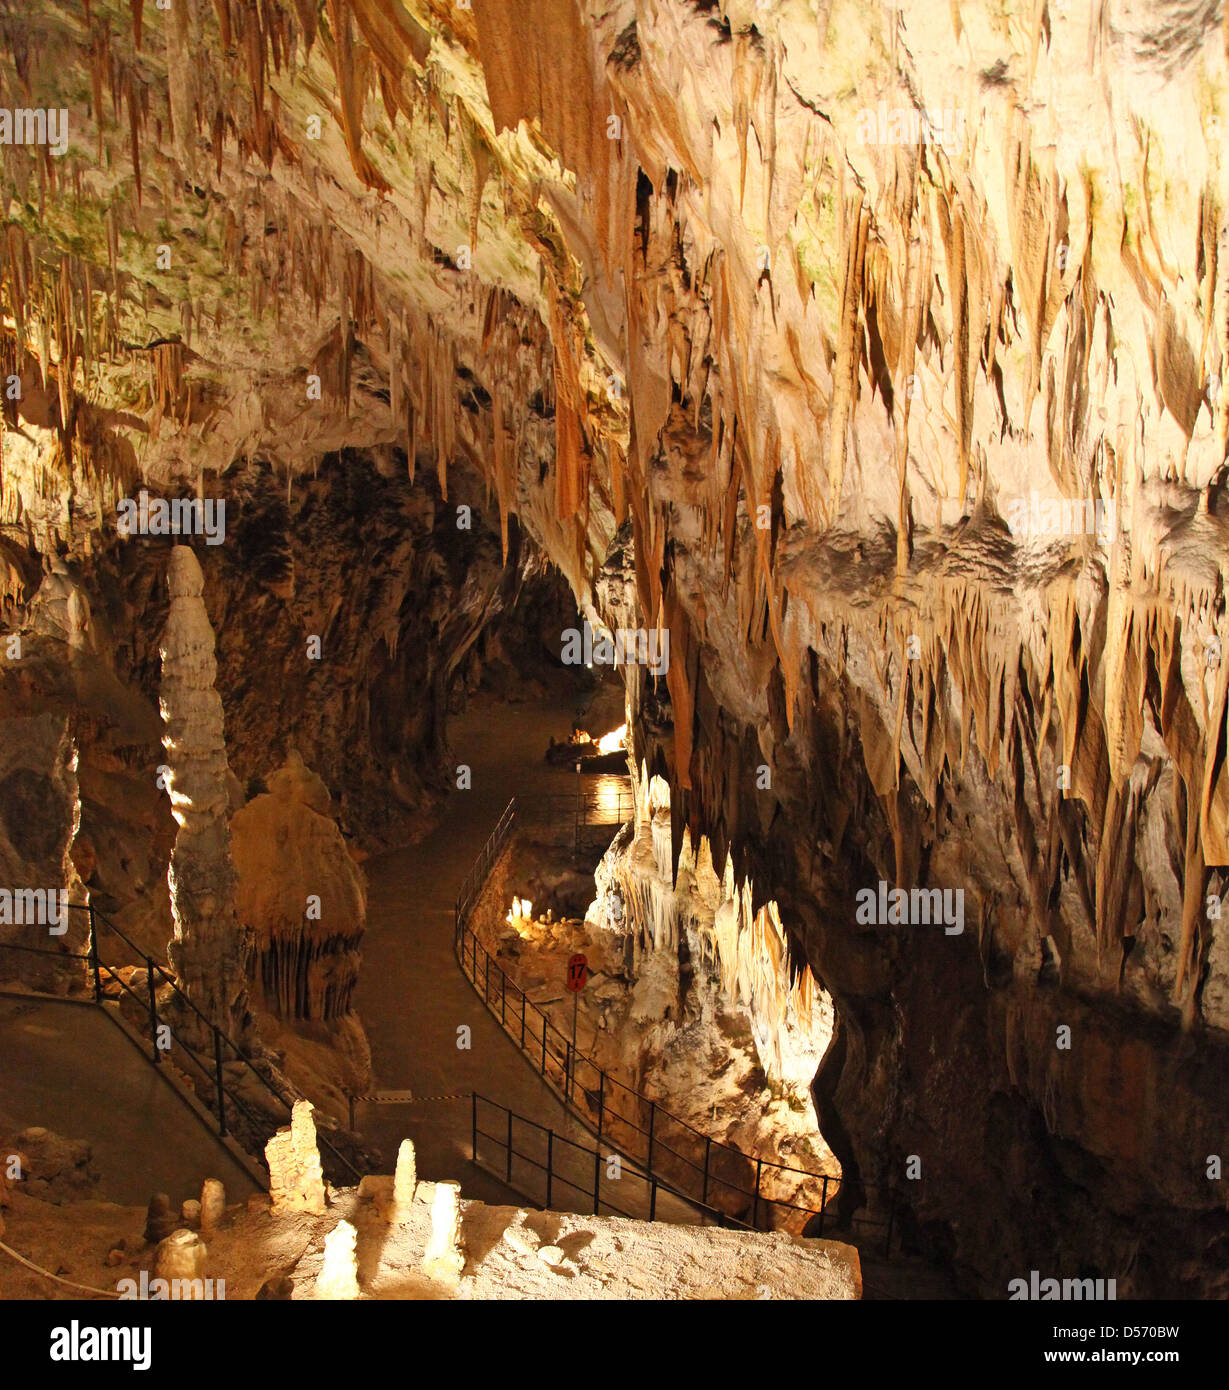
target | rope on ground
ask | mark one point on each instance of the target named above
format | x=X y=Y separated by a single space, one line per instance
x=55 y=1278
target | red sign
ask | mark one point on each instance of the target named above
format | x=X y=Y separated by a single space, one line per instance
x=578 y=972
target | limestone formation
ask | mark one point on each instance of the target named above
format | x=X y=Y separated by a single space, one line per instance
x=338 y=1277
x=874 y=352
x=296 y=1179
x=301 y=894
x=190 y=1214
x=212 y=1204
x=181 y=1255
x=445 y=1254
x=40 y=814
x=405 y=1180
x=209 y=947
x=160 y=1220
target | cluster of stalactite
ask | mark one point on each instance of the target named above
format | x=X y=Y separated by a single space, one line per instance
x=664 y=896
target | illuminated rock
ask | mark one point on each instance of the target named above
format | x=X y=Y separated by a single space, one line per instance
x=445 y=1254
x=338 y=1277
x=296 y=1179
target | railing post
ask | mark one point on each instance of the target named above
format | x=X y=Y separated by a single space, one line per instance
x=652 y=1198
x=597 y=1180
x=708 y=1149
x=823 y=1205
x=94 y=966
x=217 y=1072
x=567 y=1075
x=153 y=1008
x=601 y=1106
x=755 y=1217
x=652 y=1118
x=503 y=994
x=543 y=1070
x=522 y=993
x=550 y=1162
x=473 y=1148
x=509 y=1148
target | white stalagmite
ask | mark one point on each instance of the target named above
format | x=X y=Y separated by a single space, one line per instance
x=405 y=1181
x=209 y=946
x=445 y=1254
x=338 y=1277
x=180 y=1256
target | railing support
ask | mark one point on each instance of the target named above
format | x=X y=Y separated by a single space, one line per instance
x=550 y=1162
x=217 y=1073
x=708 y=1150
x=597 y=1179
x=509 y=1148
x=601 y=1105
x=648 y=1163
x=755 y=1218
x=94 y=966
x=473 y=1148
x=153 y=1008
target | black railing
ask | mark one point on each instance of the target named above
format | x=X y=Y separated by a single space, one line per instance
x=706 y=1173
x=587 y=808
x=559 y=1162
x=216 y=1051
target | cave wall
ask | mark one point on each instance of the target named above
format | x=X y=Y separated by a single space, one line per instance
x=686 y=284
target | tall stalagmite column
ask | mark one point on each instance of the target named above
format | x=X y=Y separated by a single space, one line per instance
x=209 y=949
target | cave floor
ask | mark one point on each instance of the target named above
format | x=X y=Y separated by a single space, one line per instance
x=412 y=996
x=70 y=1070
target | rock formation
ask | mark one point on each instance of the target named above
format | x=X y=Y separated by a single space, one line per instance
x=445 y=1254
x=338 y=1277
x=296 y=1179
x=210 y=947
x=212 y=1204
x=40 y=812
x=181 y=1256
x=301 y=894
x=881 y=349
x=405 y=1181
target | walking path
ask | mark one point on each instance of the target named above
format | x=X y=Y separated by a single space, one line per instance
x=69 y=1069
x=412 y=996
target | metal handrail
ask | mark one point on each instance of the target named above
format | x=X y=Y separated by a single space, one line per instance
x=568 y=1059
x=505 y=1141
x=158 y=976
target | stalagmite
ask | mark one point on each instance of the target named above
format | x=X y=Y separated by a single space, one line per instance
x=296 y=1179
x=338 y=1277
x=213 y=1204
x=405 y=1181
x=181 y=1256
x=445 y=1254
x=209 y=945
